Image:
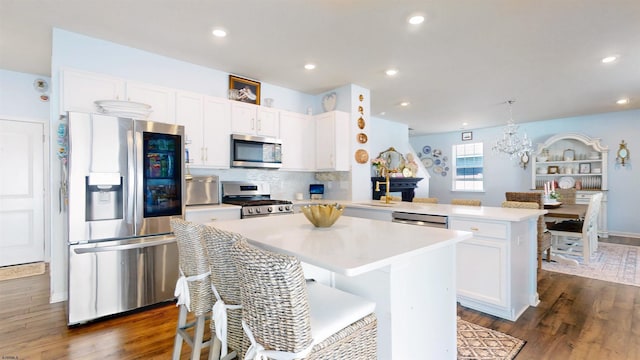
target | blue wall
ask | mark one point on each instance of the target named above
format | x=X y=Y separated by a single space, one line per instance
x=505 y=175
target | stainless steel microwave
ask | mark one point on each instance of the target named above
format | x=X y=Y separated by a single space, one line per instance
x=255 y=151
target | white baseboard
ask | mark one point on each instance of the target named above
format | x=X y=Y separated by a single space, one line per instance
x=618 y=233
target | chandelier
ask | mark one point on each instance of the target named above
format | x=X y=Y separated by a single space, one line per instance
x=511 y=144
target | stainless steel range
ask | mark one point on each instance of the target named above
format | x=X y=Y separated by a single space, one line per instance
x=255 y=199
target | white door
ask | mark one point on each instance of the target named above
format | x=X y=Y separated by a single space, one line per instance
x=21 y=192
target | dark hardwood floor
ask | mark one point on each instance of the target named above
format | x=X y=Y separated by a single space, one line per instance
x=578 y=318
x=31 y=328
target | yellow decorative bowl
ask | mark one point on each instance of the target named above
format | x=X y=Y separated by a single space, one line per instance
x=322 y=215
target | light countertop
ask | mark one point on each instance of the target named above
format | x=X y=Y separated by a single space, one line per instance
x=484 y=212
x=352 y=246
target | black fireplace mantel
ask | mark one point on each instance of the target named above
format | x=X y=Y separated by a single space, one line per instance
x=399 y=184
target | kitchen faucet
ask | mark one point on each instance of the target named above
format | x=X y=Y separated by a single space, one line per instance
x=387 y=196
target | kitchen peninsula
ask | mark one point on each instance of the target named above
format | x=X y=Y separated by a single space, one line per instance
x=409 y=271
x=497 y=268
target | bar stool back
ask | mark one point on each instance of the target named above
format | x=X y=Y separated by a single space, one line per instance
x=193 y=288
x=287 y=318
x=227 y=311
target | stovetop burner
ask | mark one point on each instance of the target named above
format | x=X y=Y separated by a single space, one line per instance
x=254 y=198
x=248 y=202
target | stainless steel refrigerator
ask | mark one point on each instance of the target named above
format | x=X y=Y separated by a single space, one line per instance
x=125 y=183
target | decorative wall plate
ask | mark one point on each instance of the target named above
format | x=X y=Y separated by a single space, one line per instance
x=361 y=123
x=427 y=162
x=329 y=102
x=426 y=149
x=361 y=110
x=361 y=97
x=362 y=156
x=362 y=138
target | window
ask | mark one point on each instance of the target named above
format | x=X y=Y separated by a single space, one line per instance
x=468 y=164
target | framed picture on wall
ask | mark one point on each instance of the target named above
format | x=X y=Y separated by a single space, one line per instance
x=553 y=170
x=467 y=135
x=585 y=168
x=244 y=90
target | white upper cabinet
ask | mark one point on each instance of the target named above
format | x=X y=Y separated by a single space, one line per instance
x=216 y=129
x=297 y=132
x=79 y=90
x=207 y=127
x=161 y=99
x=252 y=119
x=332 y=141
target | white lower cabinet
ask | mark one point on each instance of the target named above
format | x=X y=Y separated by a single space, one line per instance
x=494 y=273
x=206 y=214
x=373 y=214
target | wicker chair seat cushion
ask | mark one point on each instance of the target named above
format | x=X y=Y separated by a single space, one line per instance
x=568 y=226
x=333 y=310
x=468 y=202
x=425 y=200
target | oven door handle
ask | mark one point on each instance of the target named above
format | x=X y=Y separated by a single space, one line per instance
x=137 y=245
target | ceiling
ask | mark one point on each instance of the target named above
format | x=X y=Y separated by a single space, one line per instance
x=460 y=66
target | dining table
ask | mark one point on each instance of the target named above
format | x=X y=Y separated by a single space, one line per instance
x=566 y=211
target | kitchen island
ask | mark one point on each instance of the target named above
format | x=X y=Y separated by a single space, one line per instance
x=409 y=271
x=497 y=268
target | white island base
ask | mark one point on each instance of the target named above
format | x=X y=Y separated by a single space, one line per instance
x=409 y=271
x=415 y=305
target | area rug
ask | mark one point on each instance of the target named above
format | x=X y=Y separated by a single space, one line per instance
x=479 y=343
x=18 y=271
x=611 y=262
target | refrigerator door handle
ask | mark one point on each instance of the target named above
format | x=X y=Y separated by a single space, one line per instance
x=131 y=182
x=123 y=247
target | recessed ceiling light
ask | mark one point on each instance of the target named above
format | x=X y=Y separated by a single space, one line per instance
x=465 y=124
x=416 y=19
x=219 y=33
x=404 y=103
x=383 y=113
x=392 y=72
x=622 y=101
x=310 y=66
x=609 y=59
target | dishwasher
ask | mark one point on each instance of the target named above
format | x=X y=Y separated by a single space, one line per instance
x=437 y=221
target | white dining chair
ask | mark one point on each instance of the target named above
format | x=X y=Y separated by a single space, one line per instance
x=578 y=237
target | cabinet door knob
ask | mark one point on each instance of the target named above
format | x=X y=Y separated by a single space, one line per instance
x=474 y=229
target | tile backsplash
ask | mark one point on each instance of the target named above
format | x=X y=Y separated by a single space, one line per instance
x=285 y=184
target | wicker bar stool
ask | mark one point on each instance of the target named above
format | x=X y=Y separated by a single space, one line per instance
x=286 y=318
x=429 y=200
x=227 y=310
x=193 y=288
x=544 y=237
x=470 y=202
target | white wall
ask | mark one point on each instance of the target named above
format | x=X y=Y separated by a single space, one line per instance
x=19 y=99
x=386 y=134
x=504 y=175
